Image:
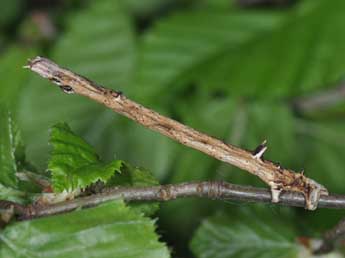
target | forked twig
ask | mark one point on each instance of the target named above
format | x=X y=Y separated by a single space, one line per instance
x=279 y=179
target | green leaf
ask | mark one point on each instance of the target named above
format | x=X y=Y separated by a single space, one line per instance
x=109 y=230
x=12 y=160
x=96 y=172
x=248 y=234
x=74 y=163
x=8 y=147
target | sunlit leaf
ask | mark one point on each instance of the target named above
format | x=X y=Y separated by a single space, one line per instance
x=74 y=163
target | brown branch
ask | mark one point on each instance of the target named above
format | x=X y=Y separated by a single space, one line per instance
x=276 y=177
x=330 y=238
x=213 y=190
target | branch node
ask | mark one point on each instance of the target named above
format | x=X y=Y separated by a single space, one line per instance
x=167 y=193
x=214 y=190
x=313 y=193
x=275 y=192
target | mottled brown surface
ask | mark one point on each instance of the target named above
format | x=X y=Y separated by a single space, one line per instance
x=277 y=178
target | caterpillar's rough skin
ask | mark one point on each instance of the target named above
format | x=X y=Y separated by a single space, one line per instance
x=279 y=179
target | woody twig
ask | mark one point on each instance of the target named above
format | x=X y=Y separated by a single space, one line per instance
x=278 y=178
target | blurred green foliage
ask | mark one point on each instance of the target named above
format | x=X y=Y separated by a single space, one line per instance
x=232 y=72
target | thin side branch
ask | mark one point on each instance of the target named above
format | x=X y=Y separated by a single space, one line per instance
x=322 y=100
x=331 y=238
x=212 y=190
x=275 y=176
